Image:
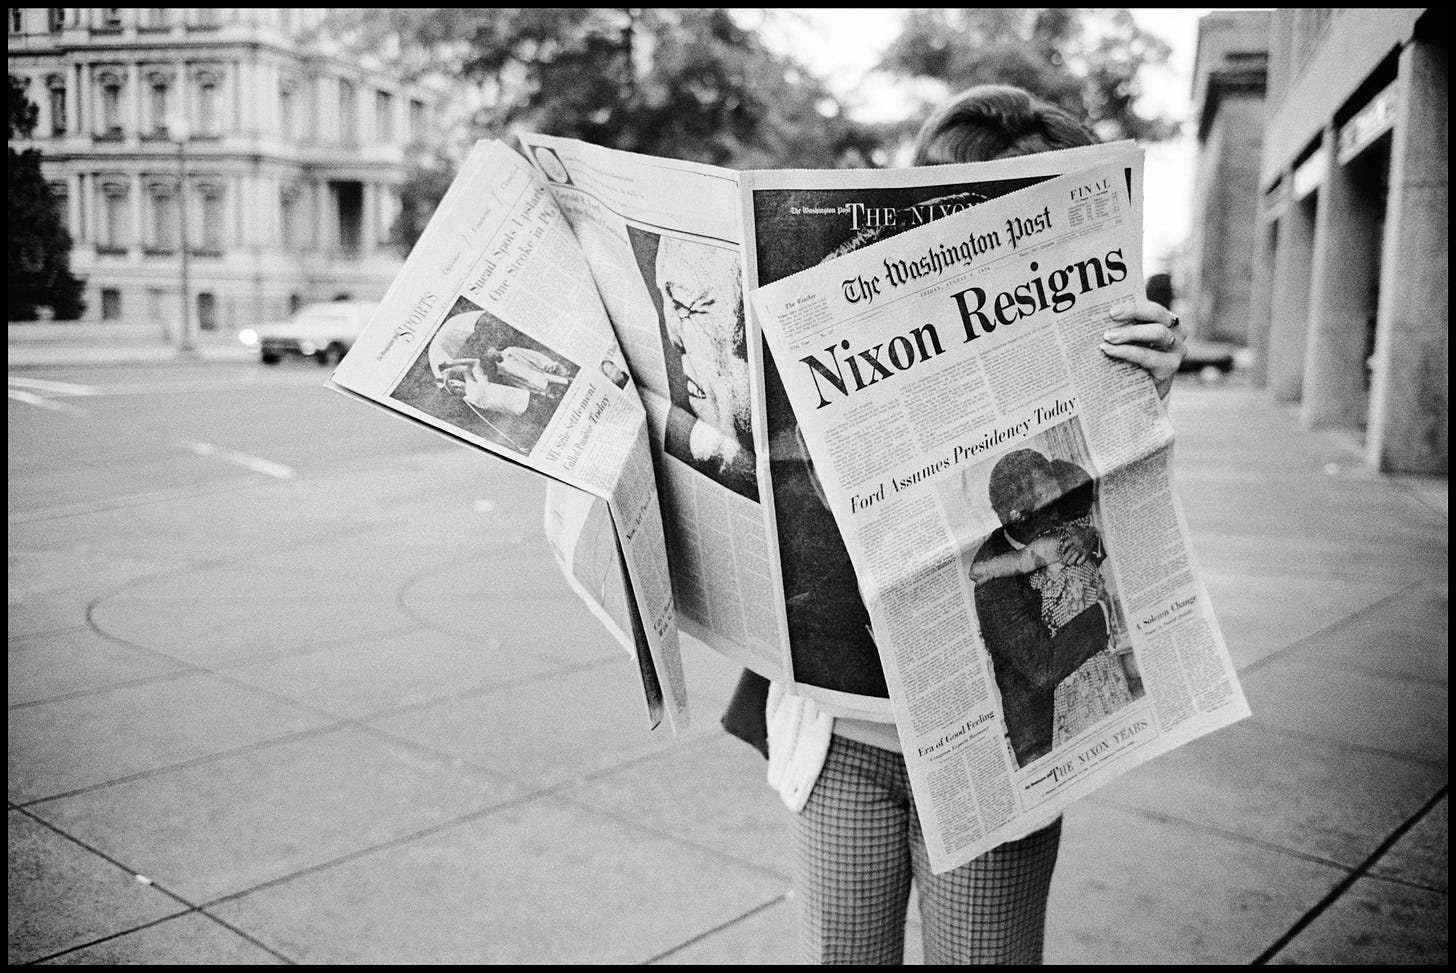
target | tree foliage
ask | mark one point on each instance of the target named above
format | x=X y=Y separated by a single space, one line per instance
x=38 y=260
x=686 y=83
x=683 y=83
x=1086 y=61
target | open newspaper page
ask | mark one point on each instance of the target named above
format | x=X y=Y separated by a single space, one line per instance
x=797 y=219
x=493 y=334
x=663 y=242
x=1004 y=491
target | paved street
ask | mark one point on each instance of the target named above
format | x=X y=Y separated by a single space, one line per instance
x=291 y=681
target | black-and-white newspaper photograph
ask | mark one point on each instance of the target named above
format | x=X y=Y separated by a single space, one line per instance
x=478 y=366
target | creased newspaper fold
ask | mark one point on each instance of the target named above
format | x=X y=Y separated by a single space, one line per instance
x=1005 y=494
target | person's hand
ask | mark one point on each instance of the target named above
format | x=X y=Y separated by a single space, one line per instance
x=1074 y=548
x=1150 y=336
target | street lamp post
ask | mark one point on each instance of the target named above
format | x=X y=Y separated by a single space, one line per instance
x=178 y=131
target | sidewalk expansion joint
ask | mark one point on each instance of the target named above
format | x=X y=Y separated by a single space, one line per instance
x=717 y=929
x=1343 y=885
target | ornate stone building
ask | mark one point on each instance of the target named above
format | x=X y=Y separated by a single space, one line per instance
x=293 y=156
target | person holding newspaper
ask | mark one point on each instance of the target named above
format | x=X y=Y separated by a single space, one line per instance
x=857 y=836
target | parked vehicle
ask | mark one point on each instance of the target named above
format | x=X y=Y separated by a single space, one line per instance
x=323 y=332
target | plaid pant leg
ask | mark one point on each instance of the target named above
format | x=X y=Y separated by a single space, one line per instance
x=991 y=909
x=852 y=859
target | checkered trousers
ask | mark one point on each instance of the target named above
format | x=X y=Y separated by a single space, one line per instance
x=858 y=845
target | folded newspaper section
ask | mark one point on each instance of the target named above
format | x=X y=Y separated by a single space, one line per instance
x=663 y=241
x=1004 y=492
x=493 y=334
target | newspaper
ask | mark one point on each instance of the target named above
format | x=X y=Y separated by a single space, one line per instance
x=1005 y=495
x=664 y=244
x=754 y=567
x=796 y=219
x=493 y=334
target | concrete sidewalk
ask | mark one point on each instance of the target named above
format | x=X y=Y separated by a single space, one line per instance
x=348 y=739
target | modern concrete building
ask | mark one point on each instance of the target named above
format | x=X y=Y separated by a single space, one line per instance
x=1349 y=311
x=1229 y=72
x=292 y=157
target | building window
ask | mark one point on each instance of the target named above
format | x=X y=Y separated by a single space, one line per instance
x=111 y=18
x=55 y=19
x=160 y=93
x=17 y=20
x=155 y=18
x=57 y=92
x=207 y=311
x=110 y=83
x=287 y=109
x=384 y=116
x=110 y=303
x=288 y=209
x=417 y=120
x=209 y=116
x=61 y=193
x=214 y=222
x=348 y=113
x=112 y=235
x=162 y=226
x=205 y=17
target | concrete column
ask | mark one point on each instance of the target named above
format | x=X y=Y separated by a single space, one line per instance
x=1346 y=225
x=1261 y=295
x=1408 y=430
x=1289 y=306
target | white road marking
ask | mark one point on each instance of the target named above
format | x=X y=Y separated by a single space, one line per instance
x=39 y=400
x=46 y=385
x=266 y=467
